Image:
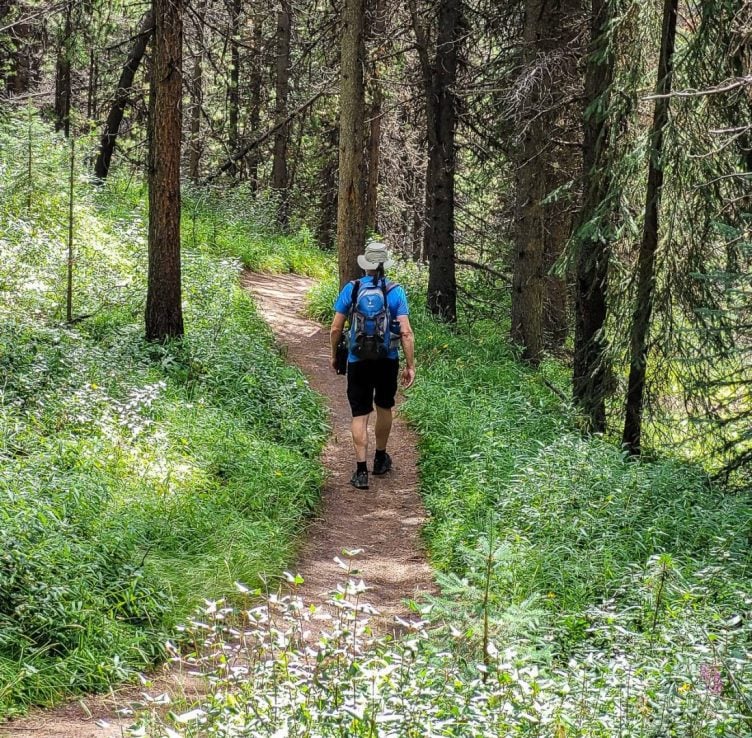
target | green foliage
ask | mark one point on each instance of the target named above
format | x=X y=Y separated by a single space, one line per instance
x=621 y=581
x=236 y=224
x=135 y=479
x=344 y=683
x=637 y=567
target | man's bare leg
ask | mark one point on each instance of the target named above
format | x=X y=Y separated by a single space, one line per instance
x=359 y=429
x=383 y=427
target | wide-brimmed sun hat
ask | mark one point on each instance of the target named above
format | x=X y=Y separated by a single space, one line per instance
x=376 y=253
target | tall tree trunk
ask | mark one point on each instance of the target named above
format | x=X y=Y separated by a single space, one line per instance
x=63 y=73
x=197 y=97
x=233 y=89
x=441 y=117
x=542 y=228
x=281 y=137
x=649 y=245
x=122 y=94
x=591 y=371
x=350 y=220
x=254 y=102
x=438 y=231
x=377 y=29
x=164 y=315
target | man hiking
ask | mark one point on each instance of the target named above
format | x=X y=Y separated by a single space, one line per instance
x=379 y=323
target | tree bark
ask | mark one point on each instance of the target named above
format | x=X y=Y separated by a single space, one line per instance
x=197 y=97
x=591 y=370
x=542 y=228
x=441 y=116
x=281 y=137
x=233 y=89
x=350 y=212
x=122 y=95
x=164 y=316
x=649 y=245
x=63 y=74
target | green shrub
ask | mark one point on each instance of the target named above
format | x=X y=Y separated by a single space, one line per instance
x=135 y=479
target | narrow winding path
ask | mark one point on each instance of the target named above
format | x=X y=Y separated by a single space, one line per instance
x=384 y=522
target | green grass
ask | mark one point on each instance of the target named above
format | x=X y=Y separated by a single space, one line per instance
x=135 y=480
x=627 y=578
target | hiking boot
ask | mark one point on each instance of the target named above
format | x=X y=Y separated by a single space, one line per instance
x=359 y=480
x=382 y=465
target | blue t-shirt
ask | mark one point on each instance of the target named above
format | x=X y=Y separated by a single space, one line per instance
x=396 y=300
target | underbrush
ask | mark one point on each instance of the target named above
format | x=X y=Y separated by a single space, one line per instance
x=624 y=584
x=271 y=677
x=217 y=221
x=135 y=479
x=636 y=572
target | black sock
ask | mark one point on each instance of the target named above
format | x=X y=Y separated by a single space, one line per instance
x=380 y=455
x=362 y=467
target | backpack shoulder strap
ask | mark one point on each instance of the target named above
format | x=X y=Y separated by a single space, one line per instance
x=390 y=286
x=356 y=287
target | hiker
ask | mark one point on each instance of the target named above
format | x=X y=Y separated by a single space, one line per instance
x=379 y=322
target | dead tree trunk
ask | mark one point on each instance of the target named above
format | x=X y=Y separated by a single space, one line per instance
x=591 y=371
x=164 y=315
x=649 y=246
x=350 y=213
x=122 y=94
x=281 y=137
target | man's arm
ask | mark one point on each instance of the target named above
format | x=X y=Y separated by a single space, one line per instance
x=338 y=325
x=408 y=346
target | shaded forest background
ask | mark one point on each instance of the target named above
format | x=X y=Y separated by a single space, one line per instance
x=583 y=167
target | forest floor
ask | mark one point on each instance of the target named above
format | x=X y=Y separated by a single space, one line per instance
x=383 y=522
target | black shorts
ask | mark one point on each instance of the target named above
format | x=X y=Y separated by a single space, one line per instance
x=369 y=382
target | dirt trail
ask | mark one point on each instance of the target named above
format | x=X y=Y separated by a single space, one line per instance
x=383 y=521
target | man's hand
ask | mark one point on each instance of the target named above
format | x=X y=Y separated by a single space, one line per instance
x=408 y=376
x=338 y=326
